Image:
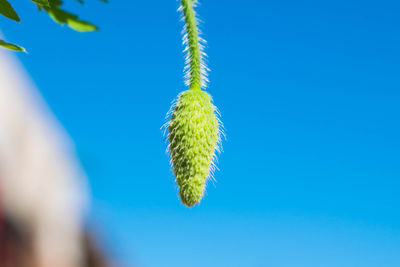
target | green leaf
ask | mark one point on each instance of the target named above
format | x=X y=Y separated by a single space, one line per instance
x=63 y=17
x=8 y=11
x=81 y=26
x=42 y=2
x=11 y=46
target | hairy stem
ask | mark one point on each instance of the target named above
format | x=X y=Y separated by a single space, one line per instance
x=193 y=43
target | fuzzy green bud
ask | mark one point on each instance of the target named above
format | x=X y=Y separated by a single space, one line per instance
x=194 y=126
x=193 y=137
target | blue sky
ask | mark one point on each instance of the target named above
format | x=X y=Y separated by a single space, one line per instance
x=309 y=96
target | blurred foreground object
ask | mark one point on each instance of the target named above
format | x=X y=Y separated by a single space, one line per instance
x=42 y=187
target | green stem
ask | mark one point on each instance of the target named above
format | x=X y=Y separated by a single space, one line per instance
x=193 y=43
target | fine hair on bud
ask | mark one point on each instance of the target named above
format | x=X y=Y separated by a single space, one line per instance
x=194 y=126
x=193 y=141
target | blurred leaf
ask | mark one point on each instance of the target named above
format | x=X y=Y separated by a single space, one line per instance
x=8 y=11
x=63 y=17
x=42 y=2
x=11 y=46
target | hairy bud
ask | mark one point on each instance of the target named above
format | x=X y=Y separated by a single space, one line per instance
x=193 y=136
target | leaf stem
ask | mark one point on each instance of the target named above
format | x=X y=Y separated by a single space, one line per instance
x=193 y=45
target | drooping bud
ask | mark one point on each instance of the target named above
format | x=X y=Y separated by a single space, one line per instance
x=193 y=136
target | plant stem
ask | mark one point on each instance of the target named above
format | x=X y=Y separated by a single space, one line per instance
x=193 y=43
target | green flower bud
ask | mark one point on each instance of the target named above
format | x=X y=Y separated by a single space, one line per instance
x=193 y=137
x=194 y=126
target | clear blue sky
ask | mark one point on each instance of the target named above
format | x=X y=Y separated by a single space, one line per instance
x=309 y=93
